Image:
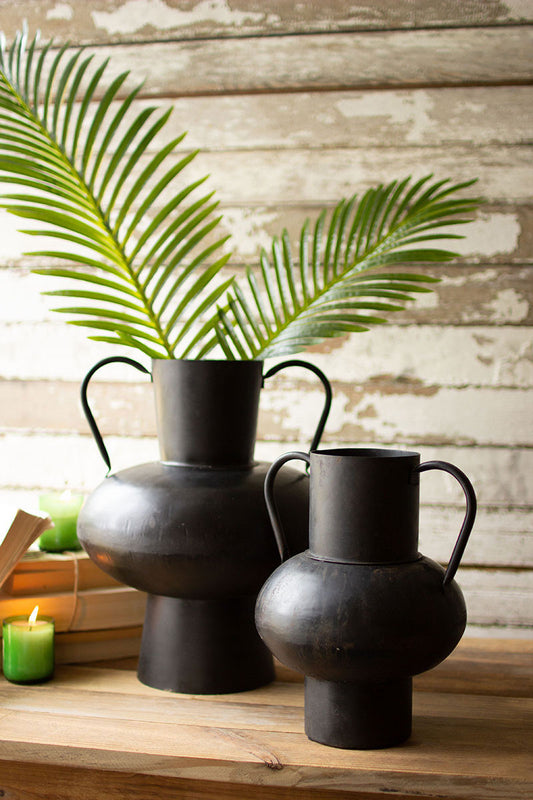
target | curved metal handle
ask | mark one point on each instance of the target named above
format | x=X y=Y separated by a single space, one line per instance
x=270 y=501
x=468 y=522
x=85 y=405
x=327 y=387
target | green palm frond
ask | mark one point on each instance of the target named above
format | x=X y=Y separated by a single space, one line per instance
x=325 y=291
x=146 y=267
x=141 y=244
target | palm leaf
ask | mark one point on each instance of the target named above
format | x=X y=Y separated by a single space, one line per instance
x=141 y=244
x=327 y=291
x=80 y=163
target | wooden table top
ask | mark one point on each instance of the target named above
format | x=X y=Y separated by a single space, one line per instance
x=94 y=732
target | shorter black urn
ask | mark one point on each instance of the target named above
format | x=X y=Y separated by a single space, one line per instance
x=361 y=611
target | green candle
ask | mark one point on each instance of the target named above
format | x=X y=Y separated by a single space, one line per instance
x=63 y=509
x=28 y=648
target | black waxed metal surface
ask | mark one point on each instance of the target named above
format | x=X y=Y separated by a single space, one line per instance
x=364 y=505
x=207 y=410
x=361 y=611
x=202 y=647
x=358 y=716
x=193 y=531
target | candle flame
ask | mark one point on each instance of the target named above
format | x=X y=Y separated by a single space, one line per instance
x=33 y=616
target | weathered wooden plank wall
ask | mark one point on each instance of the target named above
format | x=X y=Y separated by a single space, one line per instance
x=295 y=105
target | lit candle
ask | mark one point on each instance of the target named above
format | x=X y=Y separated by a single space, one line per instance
x=28 y=648
x=63 y=509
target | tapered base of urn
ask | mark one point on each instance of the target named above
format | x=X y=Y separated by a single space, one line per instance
x=358 y=716
x=202 y=646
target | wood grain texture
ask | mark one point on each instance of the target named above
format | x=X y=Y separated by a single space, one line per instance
x=266 y=178
x=392 y=414
x=421 y=58
x=474 y=114
x=497 y=235
x=22 y=781
x=122 y=20
x=465 y=744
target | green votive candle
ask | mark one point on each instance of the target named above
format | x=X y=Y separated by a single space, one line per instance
x=63 y=509
x=28 y=648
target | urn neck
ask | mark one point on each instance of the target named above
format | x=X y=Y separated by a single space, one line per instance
x=364 y=505
x=207 y=411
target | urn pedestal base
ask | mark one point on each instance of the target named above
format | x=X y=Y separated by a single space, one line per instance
x=202 y=646
x=358 y=716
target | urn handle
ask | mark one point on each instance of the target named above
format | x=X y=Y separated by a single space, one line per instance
x=295 y=362
x=85 y=404
x=468 y=522
x=270 y=500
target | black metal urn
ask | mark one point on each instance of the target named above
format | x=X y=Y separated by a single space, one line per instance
x=362 y=611
x=192 y=530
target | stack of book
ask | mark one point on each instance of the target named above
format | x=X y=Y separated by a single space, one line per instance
x=96 y=617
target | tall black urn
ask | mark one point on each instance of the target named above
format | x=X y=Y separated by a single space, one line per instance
x=192 y=529
x=362 y=611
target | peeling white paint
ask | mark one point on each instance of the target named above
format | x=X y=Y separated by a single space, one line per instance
x=518 y=9
x=509 y=306
x=433 y=356
x=490 y=235
x=248 y=228
x=467 y=415
x=298 y=410
x=410 y=110
x=427 y=301
x=60 y=11
x=483 y=276
x=515 y=363
x=134 y=15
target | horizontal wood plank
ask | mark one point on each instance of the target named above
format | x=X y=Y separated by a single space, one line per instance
x=498 y=597
x=483 y=666
x=127 y=21
x=496 y=235
x=423 y=359
x=388 y=411
x=321 y=177
x=327 y=61
x=268 y=715
x=73 y=783
x=499 y=538
x=25 y=342
x=427 y=117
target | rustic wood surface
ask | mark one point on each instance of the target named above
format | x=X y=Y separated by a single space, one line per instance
x=294 y=106
x=104 y=20
x=97 y=732
x=328 y=61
